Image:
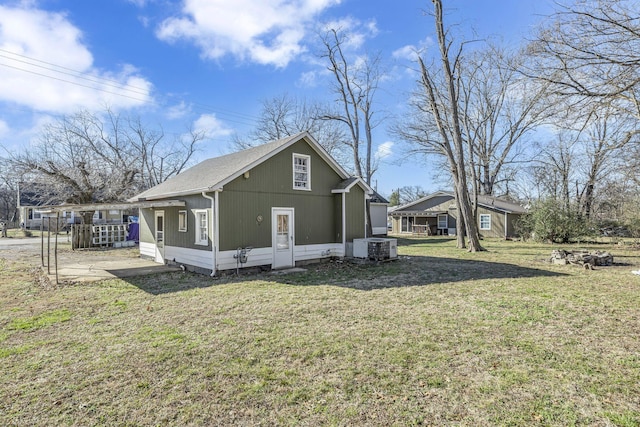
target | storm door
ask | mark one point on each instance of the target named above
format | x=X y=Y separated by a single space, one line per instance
x=282 y=237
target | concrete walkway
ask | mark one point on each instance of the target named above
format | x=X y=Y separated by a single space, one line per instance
x=82 y=265
x=93 y=271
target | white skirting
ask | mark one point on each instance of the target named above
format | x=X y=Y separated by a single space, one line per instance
x=227 y=261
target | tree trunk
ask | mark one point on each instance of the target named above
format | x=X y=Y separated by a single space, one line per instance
x=461 y=181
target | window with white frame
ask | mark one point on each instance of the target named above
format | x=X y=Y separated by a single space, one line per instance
x=202 y=227
x=485 y=222
x=301 y=172
x=182 y=221
x=443 y=222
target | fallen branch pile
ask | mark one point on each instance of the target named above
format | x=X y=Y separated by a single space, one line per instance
x=582 y=257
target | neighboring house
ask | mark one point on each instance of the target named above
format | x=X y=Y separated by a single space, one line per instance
x=284 y=202
x=378 y=209
x=436 y=214
x=32 y=201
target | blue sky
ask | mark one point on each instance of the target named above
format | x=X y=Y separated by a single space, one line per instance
x=208 y=64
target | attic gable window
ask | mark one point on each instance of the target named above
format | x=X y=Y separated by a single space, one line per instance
x=301 y=172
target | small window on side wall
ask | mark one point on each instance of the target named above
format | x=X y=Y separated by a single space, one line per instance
x=485 y=222
x=202 y=228
x=301 y=172
x=182 y=221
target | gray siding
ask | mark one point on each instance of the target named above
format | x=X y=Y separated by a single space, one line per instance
x=172 y=236
x=355 y=213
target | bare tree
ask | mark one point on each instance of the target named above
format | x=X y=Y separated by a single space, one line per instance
x=554 y=168
x=500 y=110
x=354 y=84
x=284 y=115
x=83 y=158
x=591 y=49
x=607 y=132
x=436 y=125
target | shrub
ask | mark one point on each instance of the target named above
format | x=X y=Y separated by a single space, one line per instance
x=548 y=221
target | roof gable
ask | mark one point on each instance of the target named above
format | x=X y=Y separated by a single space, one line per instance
x=214 y=173
x=488 y=202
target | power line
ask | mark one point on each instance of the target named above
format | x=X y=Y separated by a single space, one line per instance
x=231 y=116
x=76 y=73
x=73 y=83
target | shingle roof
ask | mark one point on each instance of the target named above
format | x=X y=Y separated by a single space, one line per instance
x=485 y=201
x=377 y=198
x=347 y=183
x=501 y=204
x=213 y=173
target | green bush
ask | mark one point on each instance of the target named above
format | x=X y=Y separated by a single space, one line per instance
x=548 y=221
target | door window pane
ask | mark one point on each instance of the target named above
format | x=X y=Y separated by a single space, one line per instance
x=282 y=235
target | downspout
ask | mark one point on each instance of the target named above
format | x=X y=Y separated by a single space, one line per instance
x=213 y=231
x=344 y=224
x=216 y=227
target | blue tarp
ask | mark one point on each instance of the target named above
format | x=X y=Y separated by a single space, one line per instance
x=134 y=232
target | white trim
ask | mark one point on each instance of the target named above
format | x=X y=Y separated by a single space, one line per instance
x=186 y=221
x=148 y=249
x=365 y=216
x=480 y=222
x=344 y=221
x=213 y=247
x=216 y=229
x=256 y=257
x=311 y=141
x=438 y=221
x=193 y=257
x=379 y=230
x=506 y=225
x=292 y=235
x=306 y=157
x=198 y=240
x=159 y=250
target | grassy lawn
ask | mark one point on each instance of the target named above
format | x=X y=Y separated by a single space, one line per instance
x=440 y=337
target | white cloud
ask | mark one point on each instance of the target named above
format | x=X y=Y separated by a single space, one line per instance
x=45 y=65
x=384 y=150
x=263 y=31
x=410 y=52
x=355 y=32
x=178 y=111
x=211 y=126
x=308 y=79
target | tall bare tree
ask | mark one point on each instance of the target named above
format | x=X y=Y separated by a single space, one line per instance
x=354 y=84
x=500 y=110
x=436 y=125
x=606 y=133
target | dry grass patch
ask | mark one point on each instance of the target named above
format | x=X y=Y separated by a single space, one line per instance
x=438 y=337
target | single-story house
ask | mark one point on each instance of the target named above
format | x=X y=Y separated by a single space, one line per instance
x=436 y=214
x=33 y=200
x=378 y=209
x=277 y=204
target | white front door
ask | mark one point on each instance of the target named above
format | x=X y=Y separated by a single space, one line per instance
x=282 y=237
x=159 y=234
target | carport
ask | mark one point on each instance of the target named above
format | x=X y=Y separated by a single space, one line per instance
x=90 y=271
